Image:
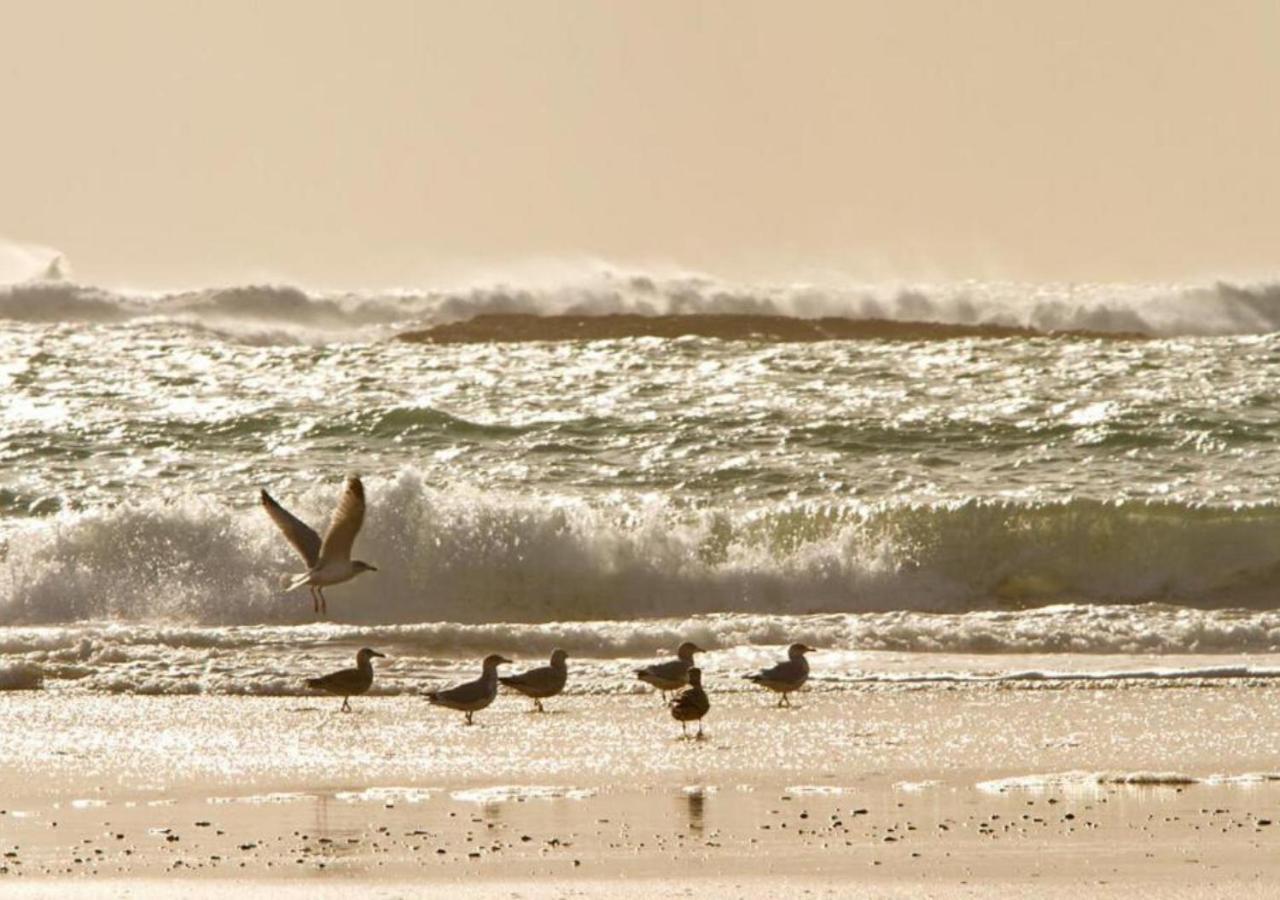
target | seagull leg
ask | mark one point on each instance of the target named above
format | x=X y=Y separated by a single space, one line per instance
x=537 y=704
x=699 y=729
x=324 y=607
x=684 y=730
x=468 y=718
x=315 y=602
x=346 y=704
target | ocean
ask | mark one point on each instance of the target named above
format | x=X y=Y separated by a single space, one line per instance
x=1029 y=508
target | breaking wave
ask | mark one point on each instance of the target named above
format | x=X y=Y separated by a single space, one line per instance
x=273 y=313
x=468 y=556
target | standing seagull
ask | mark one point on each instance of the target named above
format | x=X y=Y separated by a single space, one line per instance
x=542 y=682
x=692 y=704
x=474 y=695
x=673 y=674
x=329 y=561
x=348 y=683
x=787 y=676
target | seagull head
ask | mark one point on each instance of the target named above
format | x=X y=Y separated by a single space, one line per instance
x=558 y=657
x=687 y=649
x=366 y=654
x=493 y=660
x=796 y=651
x=695 y=677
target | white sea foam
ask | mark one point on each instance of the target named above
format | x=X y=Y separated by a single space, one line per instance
x=463 y=555
x=87 y=803
x=1247 y=779
x=915 y=787
x=519 y=793
x=1080 y=780
x=699 y=790
x=255 y=799
x=387 y=795
x=281 y=313
x=819 y=790
x=271 y=661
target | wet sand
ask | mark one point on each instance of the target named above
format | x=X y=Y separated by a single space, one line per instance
x=734 y=840
x=924 y=792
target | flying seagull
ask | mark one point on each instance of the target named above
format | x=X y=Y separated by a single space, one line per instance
x=691 y=704
x=787 y=676
x=329 y=561
x=474 y=695
x=542 y=682
x=673 y=674
x=348 y=683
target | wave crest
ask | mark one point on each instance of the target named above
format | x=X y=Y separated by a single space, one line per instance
x=466 y=556
x=275 y=312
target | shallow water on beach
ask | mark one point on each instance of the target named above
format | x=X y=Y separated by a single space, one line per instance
x=168 y=659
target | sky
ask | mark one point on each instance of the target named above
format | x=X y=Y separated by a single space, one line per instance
x=169 y=143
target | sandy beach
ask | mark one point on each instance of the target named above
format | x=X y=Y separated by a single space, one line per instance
x=972 y=790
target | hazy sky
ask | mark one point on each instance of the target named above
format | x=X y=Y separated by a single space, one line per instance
x=389 y=143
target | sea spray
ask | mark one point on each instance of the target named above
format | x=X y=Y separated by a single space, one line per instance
x=289 y=312
x=467 y=555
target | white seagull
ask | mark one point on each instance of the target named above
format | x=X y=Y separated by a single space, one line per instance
x=673 y=674
x=474 y=695
x=787 y=676
x=329 y=561
x=348 y=683
x=542 y=682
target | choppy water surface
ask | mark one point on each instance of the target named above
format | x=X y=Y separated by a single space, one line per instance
x=625 y=480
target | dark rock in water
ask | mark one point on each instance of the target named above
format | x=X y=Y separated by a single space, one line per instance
x=516 y=327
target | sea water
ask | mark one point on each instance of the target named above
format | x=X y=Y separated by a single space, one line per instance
x=920 y=509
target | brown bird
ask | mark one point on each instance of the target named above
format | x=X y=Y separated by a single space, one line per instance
x=692 y=704
x=347 y=683
x=543 y=682
x=673 y=674
x=787 y=676
x=472 y=696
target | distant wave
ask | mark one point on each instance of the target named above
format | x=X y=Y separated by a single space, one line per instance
x=471 y=557
x=273 y=313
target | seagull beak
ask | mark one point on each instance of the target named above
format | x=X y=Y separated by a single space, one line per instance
x=379 y=655
x=503 y=659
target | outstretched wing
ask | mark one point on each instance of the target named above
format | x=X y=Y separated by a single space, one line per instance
x=345 y=524
x=297 y=532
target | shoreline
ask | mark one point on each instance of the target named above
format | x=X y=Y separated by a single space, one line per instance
x=935 y=790
x=523 y=327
